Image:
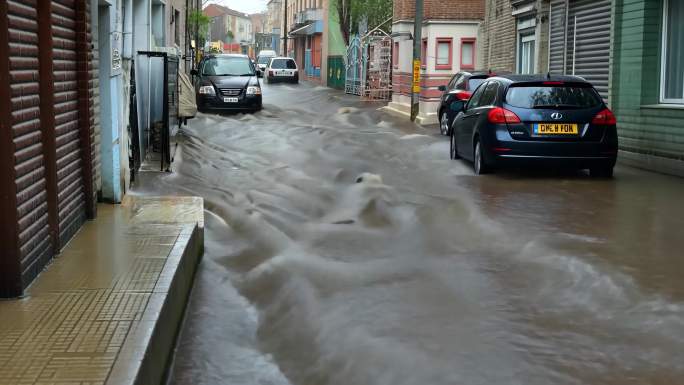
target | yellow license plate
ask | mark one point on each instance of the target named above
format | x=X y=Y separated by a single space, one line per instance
x=555 y=129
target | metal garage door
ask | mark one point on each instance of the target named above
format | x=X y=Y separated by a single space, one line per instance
x=70 y=188
x=580 y=40
x=557 y=37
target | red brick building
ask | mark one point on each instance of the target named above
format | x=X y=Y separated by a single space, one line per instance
x=450 y=43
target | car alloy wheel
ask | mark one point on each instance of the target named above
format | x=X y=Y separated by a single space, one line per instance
x=453 y=148
x=444 y=124
x=478 y=161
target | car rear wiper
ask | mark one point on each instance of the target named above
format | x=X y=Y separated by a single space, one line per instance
x=556 y=106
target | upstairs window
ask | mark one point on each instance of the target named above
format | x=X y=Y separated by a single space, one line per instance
x=444 y=53
x=468 y=53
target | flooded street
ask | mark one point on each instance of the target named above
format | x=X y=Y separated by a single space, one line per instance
x=344 y=247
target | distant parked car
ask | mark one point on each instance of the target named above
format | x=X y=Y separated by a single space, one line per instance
x=455 y=94
x=263 y=58
x=227 y=82
x=282 y=69
x=536 y=120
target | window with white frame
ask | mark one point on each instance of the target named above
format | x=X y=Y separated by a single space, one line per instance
x=443 y=59
x=526 y=45
x=467 y=53
x=672 y=78
x=526 y=53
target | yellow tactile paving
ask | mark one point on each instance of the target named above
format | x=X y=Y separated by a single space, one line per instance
x=75 y=317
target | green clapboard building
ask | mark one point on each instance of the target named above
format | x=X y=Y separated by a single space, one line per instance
x=647 y=85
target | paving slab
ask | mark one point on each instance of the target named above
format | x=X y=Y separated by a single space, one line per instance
x=108 y=308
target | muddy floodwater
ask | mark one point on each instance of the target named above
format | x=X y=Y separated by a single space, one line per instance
x=343 y=247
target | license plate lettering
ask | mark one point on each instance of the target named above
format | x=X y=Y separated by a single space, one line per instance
x=555 y=129
x=230 y=100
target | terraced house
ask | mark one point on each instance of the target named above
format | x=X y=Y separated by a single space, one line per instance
x=450 y=43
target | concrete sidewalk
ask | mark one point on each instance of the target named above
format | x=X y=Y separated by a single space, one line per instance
x=107 y=310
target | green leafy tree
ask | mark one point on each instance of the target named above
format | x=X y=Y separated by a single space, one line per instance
x=229 y=36
x=198 y=26
x=350 y=12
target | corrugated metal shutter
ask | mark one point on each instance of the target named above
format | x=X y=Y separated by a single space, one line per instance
x=34 y=240
x=71 y=196
x=556 y=36
x=591 y=43
x=95 y=96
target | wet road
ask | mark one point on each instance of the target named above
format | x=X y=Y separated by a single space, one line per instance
x=421 y=273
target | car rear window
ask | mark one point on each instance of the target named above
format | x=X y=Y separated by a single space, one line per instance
x=263 y=59
x=283 y=64
x=552 y=96
x=473 y=83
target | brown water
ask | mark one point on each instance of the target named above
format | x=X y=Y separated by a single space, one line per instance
x=345 y=248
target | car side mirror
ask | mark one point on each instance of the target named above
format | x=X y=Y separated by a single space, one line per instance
x=193 y=72
x=442 y=88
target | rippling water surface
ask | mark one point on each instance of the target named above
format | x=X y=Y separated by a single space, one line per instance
x=344 y=248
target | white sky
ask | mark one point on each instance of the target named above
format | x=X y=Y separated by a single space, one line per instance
x=246 y=6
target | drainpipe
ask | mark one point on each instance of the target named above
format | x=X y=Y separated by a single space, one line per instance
x=128 y=29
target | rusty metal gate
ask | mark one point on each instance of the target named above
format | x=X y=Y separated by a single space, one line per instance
x=378 y=66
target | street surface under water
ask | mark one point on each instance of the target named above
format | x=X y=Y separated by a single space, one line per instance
x=343 y=247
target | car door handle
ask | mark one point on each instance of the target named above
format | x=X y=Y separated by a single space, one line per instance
x=473 y=115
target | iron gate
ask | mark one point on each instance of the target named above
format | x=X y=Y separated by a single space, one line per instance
x=354 y=64
x=378 y=67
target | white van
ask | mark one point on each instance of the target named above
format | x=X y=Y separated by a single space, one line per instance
x=263 y=58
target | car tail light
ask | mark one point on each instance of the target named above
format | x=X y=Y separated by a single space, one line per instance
x=605 y=117
x=270 y=73
x=500 y=115
x=552 y=83
x=463 y=95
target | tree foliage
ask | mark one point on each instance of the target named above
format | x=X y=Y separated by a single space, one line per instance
x=351 y=12
x=198 y=26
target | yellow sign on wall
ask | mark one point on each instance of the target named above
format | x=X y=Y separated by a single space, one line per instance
x=416 y=75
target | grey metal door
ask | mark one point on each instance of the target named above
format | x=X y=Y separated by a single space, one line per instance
x=557 y=39
x=580 y=40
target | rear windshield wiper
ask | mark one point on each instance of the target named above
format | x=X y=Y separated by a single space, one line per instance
x=556 y=106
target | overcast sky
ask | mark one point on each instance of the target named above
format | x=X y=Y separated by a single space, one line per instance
x=246 y=6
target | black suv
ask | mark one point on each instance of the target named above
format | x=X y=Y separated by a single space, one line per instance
x=455 y=94
x=538 y=121
x=227 y=82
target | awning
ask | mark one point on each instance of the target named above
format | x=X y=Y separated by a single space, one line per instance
x=309 y=29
